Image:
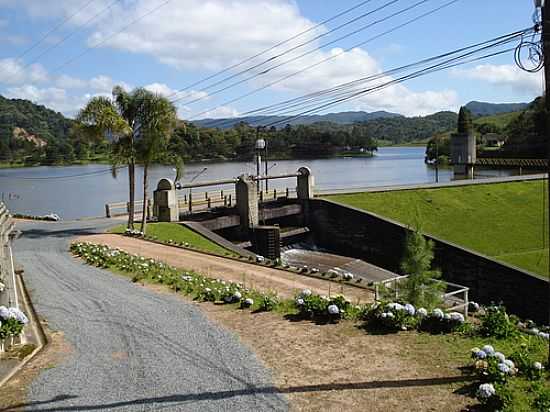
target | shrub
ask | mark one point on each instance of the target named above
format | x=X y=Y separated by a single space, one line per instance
x=496 y=322
x=268 y=302
x=492 y=366
x=314 y=306
x=419 y=288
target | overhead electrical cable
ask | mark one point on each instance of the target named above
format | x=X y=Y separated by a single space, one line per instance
x=333 y=56
x=54 y=29
x=112 y=35
x=296 y=47
x=294 y=37
x=72 y=33
x=338 y=90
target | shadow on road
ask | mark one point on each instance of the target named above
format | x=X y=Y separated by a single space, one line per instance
x=206 y=396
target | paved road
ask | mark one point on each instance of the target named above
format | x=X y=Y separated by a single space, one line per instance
x=134 y=350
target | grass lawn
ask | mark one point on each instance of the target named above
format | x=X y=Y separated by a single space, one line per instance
x=504 y=221
x=179 y=234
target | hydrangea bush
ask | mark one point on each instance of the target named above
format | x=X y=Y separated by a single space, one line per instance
x=12 y=322
x=333 y=308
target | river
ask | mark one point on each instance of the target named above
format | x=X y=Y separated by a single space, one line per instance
x=82 y=191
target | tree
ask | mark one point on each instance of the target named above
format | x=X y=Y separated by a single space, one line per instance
x=420 y=287
x=156 y=121
x=101 y=117
x=465 y=125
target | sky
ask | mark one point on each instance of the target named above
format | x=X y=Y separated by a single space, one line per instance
x=60 y=53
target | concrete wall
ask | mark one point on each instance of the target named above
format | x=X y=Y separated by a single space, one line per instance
x=380 y=241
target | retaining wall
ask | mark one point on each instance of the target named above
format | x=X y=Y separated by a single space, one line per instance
x=354 y=232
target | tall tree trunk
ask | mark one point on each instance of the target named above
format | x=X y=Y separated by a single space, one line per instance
x=132 y=188
x=145 y=208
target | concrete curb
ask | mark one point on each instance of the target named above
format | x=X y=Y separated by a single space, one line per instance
x=36 y=329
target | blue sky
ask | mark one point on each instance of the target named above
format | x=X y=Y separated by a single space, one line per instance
x=183 y=41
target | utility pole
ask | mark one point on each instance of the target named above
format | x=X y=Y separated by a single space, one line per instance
x=546 y=56
x=436 y=161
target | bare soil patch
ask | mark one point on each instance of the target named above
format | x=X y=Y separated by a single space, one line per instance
x=254 y=276
x=340 y=367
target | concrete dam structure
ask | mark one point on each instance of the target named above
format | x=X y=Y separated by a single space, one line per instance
x=321 y=234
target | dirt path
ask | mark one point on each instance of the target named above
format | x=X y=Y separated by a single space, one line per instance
x=262 y=278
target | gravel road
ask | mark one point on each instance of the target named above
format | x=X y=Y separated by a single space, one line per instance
x=133 y=349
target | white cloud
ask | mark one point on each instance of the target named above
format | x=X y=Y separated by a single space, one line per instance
x=509 y=76
x=12 y=71
x=51 y=97
x=68 y=82
x=208 y=35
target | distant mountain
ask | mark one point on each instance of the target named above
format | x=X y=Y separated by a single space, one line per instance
x=489 y=109
x=337 y=118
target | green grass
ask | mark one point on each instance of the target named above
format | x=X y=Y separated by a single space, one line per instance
x=504 y=221
x=179 y=234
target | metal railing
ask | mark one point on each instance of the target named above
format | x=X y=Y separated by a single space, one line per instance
x=455 y=297
x=200 y=201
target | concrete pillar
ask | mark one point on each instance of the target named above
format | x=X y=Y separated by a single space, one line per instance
x=463 y=155
x=305 y=187
x=165 y=206
x=247 y=202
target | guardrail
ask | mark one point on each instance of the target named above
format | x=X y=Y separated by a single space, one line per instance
x=195 y=201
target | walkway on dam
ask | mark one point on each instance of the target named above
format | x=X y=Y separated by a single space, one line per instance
x=131 y=349
x=453 y=183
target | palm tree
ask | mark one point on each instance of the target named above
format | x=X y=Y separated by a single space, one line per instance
x=157 y=120
x=118 y=118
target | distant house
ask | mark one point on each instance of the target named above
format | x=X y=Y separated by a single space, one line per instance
x=493 y=140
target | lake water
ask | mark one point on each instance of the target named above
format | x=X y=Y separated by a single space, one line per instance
x=82 y=191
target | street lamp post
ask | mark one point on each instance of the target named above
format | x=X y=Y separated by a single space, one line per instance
x=190 y=189
x=260 y=147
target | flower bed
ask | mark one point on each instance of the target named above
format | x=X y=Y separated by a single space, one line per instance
x=12 y=322
x=496 y=374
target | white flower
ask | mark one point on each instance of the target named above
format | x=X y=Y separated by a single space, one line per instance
x=500 y=356
x=299 y=302
x=457 y=317
x=305 y=293
x=325 y=298
x=486 y=390
x=480 y=354
x=474 y=307
x=410 y=309
x=538 y=366
x=333 y=310
x=208 y=290
x=390 y=315
x=18 y=315
x=504 y=368
x=237 y=296
x=4 y=312
x=509 y=363
x=488 y=349
x=395 y=306
x=438 y=313
x=248 y=302
x=544 y=335
x=422 y=312
x=348 y=276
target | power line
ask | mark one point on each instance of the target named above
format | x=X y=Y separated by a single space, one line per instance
x=95 y=173
x=105 y=40
x=307 y=53
x=350 y=85
x=415 y=19
x=225 y=70
x=54 y=29
x=283 y=53
x=69 y=35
